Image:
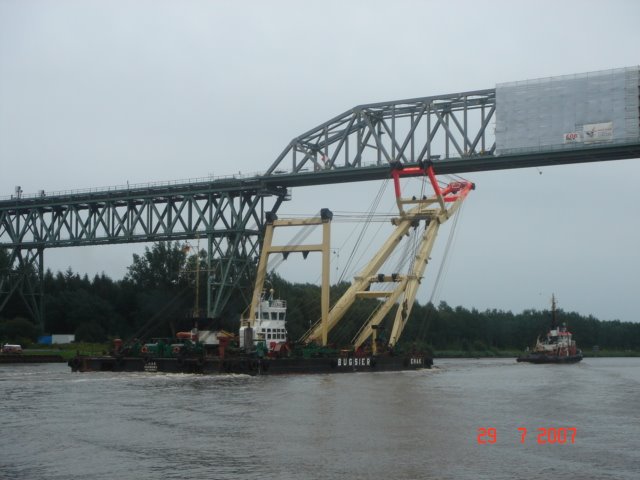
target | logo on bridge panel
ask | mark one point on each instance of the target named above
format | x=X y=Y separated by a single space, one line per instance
x=597 y=132
x=591 y=133
x=572 y=137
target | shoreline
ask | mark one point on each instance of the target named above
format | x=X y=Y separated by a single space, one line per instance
x=36 y=358
x=515 y=354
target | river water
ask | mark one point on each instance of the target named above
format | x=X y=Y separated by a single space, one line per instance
x=408 y=425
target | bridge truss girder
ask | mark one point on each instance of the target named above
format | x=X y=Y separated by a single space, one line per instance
x=403 y=131
x=231 y=220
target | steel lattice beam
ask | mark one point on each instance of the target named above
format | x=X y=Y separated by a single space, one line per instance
x=231 y=219
x=133 y=219
x=405 y=131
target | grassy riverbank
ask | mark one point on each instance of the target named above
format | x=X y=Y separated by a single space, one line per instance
x=68 y=350
x=612 y=353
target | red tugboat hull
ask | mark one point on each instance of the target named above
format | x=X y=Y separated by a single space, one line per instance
x=541 y=358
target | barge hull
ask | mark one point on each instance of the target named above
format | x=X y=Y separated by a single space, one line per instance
x=249 y=365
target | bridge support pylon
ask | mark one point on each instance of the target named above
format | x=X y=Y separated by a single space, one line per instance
x=233 y=255
x=22 y=273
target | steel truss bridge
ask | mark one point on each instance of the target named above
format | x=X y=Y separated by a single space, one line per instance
x=455 y=133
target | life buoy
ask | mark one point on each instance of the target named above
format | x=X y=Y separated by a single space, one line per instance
x=176 y=350
x=144 y=349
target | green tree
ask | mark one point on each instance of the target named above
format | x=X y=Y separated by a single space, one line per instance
x=90 y=332
x=161 y=266
x=164 y=290
x=18 y=330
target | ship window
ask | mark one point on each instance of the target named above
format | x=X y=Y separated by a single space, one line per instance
x=274 y=316
x=265 y=315
x=281 y=316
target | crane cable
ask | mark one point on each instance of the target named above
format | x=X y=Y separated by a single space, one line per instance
x=372 y=209
x=442 y=271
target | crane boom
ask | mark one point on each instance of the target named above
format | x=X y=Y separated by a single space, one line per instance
x=434 y=211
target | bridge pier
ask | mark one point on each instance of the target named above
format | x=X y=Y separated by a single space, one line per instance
x=23 y=273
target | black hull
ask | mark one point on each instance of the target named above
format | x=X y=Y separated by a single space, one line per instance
x=250 y=365
x=533 y=358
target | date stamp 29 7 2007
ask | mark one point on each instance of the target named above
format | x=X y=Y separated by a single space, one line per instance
x=551 y=435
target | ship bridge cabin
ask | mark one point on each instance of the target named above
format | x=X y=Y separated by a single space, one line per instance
x=268 y=324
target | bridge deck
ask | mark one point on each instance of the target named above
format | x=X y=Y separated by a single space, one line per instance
x=274 y=183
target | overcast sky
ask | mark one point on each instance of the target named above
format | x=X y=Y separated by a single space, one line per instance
x=98 y=93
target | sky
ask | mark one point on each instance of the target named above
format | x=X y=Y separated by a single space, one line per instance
x=97 y=93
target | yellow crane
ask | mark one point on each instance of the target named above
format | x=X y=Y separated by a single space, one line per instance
x=434 y=210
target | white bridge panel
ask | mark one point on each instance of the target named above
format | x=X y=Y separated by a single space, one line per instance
x=568 y=112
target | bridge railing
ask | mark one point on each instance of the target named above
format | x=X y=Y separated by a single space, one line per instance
x=131 y=186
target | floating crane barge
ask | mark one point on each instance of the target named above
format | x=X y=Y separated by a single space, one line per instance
x=262 y=347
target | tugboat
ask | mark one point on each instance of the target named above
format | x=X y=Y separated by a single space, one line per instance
x=556 y=347
x=261 y=345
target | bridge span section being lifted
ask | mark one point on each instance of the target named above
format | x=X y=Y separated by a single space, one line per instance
x=551 y=121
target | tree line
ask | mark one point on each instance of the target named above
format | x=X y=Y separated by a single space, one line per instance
x=159 y=291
